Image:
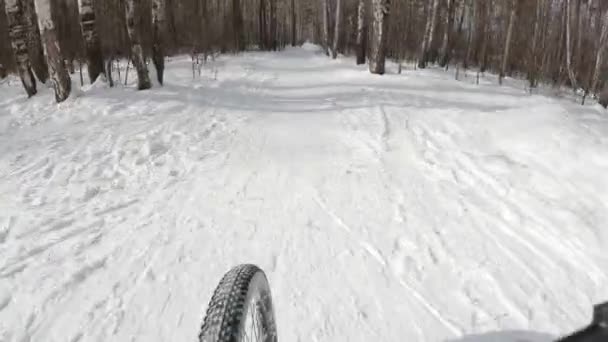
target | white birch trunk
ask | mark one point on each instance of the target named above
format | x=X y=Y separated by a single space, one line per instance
x=532 y=71
x=17 y=27
x=58 y=73
x=34 y=44
x=377 y=56
x=507 y=47
x=434 y=12
x=133 y=16
x=427 y=40
x=158 y=28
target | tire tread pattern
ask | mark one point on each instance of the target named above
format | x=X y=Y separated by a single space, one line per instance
x=225 y=311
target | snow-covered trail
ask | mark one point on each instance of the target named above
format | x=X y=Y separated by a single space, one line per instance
x=397 y=208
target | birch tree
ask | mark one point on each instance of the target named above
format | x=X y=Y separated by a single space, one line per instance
x=507 y=46
x=263 y=25
x=599 y=55
x=427 y=41
x=92 y=45
x=569 y=69
x=379 y=35
x=237 y=24
x=533 y=63
x=133 y=13
x=445 y=45
x=294 y=32
x=17 y=29
x=34 y=43
x=334 y=50
x=62 y=84
x=361 y=33
x=158 y=30
x=325 y=9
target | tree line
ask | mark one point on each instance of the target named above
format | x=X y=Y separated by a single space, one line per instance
x=559 y=42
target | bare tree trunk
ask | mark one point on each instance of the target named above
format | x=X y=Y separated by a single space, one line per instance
x=325 y=5
x=133 y=16
x=427 y=41
x=158 y=31
x=431 y=52
x=273 y=25
x=377 y=56
x=470 y=7
x=445 y=46
x=579 y=28
x=603 y=96
x=17 y=26
x=57 y=70
x=108 y=71
x=507 y=47
x=263 y=25
x=361 y=34
x=533 y=66
x=601 y=46
x=34 y=43
x=91 y=38
x=334 y=50
x=569 y=45
x=485 y=37
x=237 y=25
x=293 y=24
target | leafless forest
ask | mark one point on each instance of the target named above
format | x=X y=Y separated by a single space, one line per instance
x=552 y=42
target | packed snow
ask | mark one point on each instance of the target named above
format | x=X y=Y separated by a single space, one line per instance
x=408 y=207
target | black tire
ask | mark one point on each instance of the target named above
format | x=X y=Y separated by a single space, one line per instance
x=242 y=296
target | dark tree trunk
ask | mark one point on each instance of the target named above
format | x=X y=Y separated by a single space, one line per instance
x=603 y=96
x=57 y=68
x=361 y=33
x=133 y=17
x=18 y=28
x=325 y=4
x=263 y=25
x=294 y=37
x=446 y=45
x=334 y=49
x=91 y=38
x=158 y=31
x=273 y=25
x=377 y=56
x=109 y=72
x=34 y=43
x=237 y=25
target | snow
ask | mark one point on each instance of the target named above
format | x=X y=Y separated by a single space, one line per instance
x=405 y=207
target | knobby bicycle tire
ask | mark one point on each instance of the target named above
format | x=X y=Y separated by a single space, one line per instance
x=242 y=295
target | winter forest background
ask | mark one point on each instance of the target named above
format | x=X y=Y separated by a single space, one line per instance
x=557 y=42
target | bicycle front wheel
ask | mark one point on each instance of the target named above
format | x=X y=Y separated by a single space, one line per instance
x=240 y=309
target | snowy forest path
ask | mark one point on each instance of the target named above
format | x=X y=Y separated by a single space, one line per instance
x=382 y=208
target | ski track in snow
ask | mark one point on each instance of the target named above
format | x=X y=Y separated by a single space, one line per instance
x=397 y=208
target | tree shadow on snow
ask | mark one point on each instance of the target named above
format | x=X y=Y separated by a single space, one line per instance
x=507 y=336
